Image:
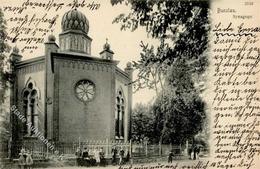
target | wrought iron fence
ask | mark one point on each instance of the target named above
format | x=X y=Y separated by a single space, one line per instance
x=37 y=148
x=153 y=150
x=40 y=151
x=3 y=149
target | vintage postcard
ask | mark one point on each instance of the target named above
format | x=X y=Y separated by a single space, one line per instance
x=130 y=84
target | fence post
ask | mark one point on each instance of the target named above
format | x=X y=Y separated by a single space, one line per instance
x=107 y=147
x=130 y=148
x=160 y=148
x=146 y=148
x=186 y=151
x=9 y=145
x=47 y=152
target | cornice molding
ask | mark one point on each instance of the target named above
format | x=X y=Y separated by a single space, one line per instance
x=30 y=61
x=84 y=65
x=31 y=67
x=123 y=74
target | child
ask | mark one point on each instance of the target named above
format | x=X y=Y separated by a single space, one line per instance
x=29 y=160
x=21 y=160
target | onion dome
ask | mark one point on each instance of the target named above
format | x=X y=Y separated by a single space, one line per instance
x=74 y=20
x=51 y=38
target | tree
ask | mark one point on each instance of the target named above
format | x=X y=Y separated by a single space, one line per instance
x=4 y=48
x=4 y=79
x=182 y=28
x=142 y=123
x=180 y=111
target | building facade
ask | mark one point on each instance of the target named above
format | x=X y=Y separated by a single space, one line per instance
x=67 y=94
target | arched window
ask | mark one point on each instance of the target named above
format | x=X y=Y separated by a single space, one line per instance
x=30 y=99
x=119 y=115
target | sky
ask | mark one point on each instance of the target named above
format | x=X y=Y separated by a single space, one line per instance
x=125 y=44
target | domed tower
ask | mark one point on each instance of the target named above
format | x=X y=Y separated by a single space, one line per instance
x=74 y=36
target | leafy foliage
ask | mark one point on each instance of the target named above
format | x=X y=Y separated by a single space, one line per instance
x=182 y=29
x=180 y=111
x=5 y=77
x=177 y=115
x=4 y=48
x=142 y=123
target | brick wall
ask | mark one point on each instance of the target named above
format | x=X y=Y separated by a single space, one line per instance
x=91 y=120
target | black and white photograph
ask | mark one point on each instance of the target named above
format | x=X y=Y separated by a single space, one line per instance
x=122 y=84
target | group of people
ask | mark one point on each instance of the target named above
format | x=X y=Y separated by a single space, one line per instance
x=97 y=157
x=25 y=160
x=194 y=152
x=85 y=159
x=121 y=154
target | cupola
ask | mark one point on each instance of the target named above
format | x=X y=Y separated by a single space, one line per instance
x=107 y=53
x=74 y=36
x=15 y=56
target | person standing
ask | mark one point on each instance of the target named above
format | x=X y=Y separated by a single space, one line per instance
x=22 y=159
x=193 y=155
x=114 y=153
x=78 y=156
x=127 y=159
x=190 y=153
x=29 y=160
x=85 y=157
x=170 y=156
x=195 y=150
x=97 y=156
x=102 y=157
x=121 y=156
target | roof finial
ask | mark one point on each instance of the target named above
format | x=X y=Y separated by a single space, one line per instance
x=106 y=46
x=16 y=50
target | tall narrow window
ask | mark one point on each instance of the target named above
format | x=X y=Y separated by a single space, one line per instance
x=119 y=116
x=123 y=118
x=76 y=43
x=62 y=42
x=34 y=114
x=25 y=110
x=32 y=111
x=30 y=98
x=84 y=45
x=67 y=43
